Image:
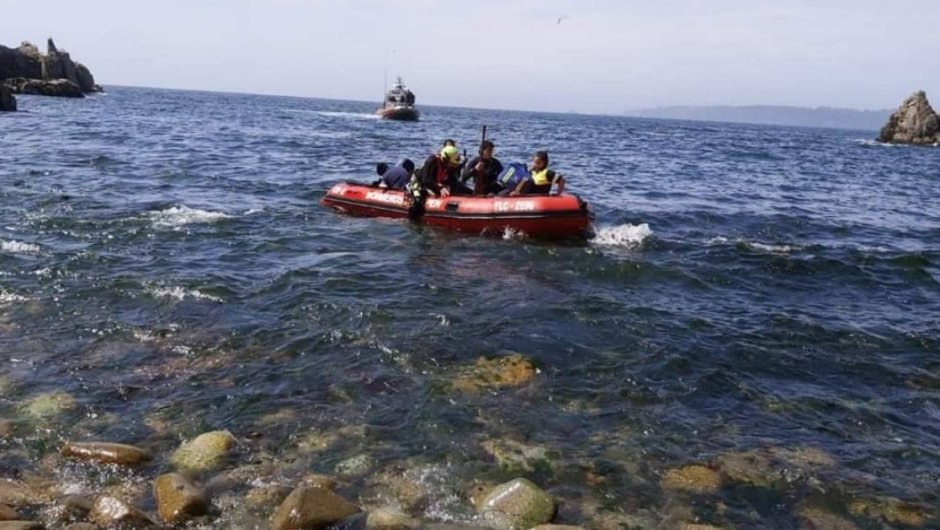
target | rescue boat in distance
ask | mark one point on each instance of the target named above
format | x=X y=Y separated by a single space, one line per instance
x=399 y=104
x=537 y=216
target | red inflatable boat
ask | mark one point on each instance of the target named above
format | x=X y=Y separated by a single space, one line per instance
x=538 y=216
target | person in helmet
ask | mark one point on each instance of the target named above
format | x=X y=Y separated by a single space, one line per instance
x=439 y=173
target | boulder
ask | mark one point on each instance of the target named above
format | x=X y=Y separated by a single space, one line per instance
x=82 y=526
x=7 y=513
x=693 y=479
x=517 y=505
x=107 y=453
x=48 y=405
x=112 y=512
x=86 y=81
x=15 y=493
x=510 y=371
x=62 y=88
x=389 y=519
x=309 y=508
x=205 y=452
x=21 y=525
x=178 y=499
x=915 y=122
x=7 y=101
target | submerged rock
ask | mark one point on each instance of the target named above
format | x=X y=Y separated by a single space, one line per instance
x=205 y=452
x=511 y=371
x=357 y=465
x=178 y=499
x=112 y=512
x=517 y=457
x=48 y=405
x=517 y=505
x=818 y=519
x=693 y=478
x=82 y=526
x=915 y=122
x=774 y=467
x=309 y=508
x=890 y=510
x=107 y=453
x=7 y=101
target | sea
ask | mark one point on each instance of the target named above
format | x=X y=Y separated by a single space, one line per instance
x=750 y=338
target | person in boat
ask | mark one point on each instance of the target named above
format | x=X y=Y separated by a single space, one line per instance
x=439 y=173
x=484 y=170
x=540 y=179
x=395 y=178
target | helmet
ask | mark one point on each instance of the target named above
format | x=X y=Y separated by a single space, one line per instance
x=450 y=154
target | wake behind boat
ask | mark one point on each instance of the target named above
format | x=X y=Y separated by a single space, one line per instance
x=537 y=216
x=399 y=104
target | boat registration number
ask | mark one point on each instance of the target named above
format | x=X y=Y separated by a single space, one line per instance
x=514 y=206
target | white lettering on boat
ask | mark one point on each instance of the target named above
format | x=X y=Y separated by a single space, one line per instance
x=387 y=198
x=339 y=189
x=434 y=203
x=514 y=206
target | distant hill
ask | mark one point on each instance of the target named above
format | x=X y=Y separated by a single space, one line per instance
x=774 y=115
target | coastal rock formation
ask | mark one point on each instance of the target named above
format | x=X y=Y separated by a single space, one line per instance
x=7 y=101
x=915 y=122
x=27 y=71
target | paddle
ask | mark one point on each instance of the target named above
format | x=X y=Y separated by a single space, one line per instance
x=479 y=182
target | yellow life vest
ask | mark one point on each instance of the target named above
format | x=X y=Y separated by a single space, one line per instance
x=540 y=178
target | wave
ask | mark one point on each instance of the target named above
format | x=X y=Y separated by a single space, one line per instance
x=622 y=235
x=18 y=247
x=753 y=245
x=355 y=115
x=178 y=293
x=179 y=216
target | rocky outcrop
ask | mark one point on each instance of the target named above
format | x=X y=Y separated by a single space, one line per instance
x=7 y=101
x=44 y=73
x=62 y=88
x=915 y=122
x=178 y=499
x=205 y=452
x=517 y=505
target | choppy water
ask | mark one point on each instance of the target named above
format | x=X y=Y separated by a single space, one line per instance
x=164 y=260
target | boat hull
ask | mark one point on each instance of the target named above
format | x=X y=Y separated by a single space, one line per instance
x=537 y=216
x=399 y=113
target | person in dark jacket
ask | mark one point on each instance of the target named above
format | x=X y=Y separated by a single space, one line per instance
x=439 y=173
x=483 y=169
x=396 y=177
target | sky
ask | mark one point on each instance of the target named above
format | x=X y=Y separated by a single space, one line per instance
x=598 y=56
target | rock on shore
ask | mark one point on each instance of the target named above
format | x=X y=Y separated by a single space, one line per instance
x=915 y=122
x=25 y=70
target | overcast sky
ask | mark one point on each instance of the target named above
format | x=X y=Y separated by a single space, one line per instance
x=603 y=56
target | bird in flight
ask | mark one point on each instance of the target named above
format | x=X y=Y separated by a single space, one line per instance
x=560 y=19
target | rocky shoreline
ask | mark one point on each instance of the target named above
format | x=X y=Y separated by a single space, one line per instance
x=915 y=122
x=25 y=70
x=217 y=479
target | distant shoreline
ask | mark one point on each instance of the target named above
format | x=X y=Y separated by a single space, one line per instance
x=671 y=113
x=793 y=116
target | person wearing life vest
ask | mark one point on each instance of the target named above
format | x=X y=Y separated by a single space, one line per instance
x=439 y=172
x=540 y=178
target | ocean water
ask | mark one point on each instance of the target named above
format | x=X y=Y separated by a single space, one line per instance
x=761 y=301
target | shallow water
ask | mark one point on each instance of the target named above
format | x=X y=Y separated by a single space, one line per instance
x=164 y=260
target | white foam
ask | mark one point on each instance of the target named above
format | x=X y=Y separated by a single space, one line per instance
x=179 y=293
x=622 y=236
x=9 y=298
x=717 y=240
x=18 y=247
x=512 y=234
x=774 y=249
x=176 y=217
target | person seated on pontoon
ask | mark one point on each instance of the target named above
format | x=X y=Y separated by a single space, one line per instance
x=540 y=179
x=394 y=178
